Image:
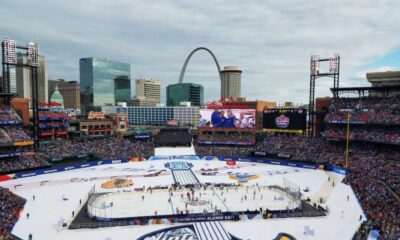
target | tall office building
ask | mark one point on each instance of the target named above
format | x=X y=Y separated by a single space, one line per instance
x=231 y=78
x=70 y=90
x=23 y=79
x=97 y=77
x=42 y=80
x=122 y=89
x=147 y=93
x=13 y=81
x=185 y=92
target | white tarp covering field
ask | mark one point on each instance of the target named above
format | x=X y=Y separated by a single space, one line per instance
x=58 y=194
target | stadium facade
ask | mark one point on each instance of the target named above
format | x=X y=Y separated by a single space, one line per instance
x=158 y=116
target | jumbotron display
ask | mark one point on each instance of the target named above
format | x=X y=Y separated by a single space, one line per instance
x=287 y=120
x=227 y=118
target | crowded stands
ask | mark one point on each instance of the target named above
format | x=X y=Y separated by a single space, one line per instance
x=52 y=115
x=230 y=139
x=53 y=125
x=380 y=134
x=16 y=133
x=8 y=115
x=106 y=148
x=204 y=150
x=10 y=207
x=377 y=110
x=10 y=128
x=14 y=164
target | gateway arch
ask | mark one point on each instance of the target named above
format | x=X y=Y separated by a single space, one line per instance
x=190 y=55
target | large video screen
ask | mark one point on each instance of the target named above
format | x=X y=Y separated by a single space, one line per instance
x=227 y=118
x=290 y=120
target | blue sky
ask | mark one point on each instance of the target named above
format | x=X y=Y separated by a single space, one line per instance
x=390 y=61
x=271 y=41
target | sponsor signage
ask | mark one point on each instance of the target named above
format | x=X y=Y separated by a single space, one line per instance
x=257 y=153
x=11 y=122
x=96 y=115
x=16 y=154
x=173 y=122
x=245 y=143
x=231 y=162
x=25 y=143
x=141 y=136
x=205 y=218
x=122 y=110
x=336 y=169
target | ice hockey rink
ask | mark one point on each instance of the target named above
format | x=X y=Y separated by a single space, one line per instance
x=58 y=194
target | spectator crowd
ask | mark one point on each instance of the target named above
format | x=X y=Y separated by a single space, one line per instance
x=10 y=128
x=384 y=134
x=106 y=148
x=228 y=139
x=8 y=114
x=10 y=207
x=368 y=110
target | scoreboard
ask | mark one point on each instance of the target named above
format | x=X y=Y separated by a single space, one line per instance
x=285 y=120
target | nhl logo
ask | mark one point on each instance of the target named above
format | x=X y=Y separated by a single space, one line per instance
x=282 y=121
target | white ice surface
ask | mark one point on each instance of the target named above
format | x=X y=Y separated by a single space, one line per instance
x=168 y=151
x=49 y=209
x=332 y=227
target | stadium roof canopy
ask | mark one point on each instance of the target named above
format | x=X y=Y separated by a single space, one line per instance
x=363 y=90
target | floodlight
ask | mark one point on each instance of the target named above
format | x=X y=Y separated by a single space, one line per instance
x=33 y=54
x=9 y=51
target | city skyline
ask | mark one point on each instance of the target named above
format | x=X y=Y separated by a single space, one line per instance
x=271 y=42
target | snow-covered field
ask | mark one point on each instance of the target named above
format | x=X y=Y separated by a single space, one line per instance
x=49 y=210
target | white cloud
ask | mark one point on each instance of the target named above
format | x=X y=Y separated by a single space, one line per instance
x=270 y=40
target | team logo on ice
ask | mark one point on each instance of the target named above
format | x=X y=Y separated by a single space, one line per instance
x=117 y=183
x=242 y=177
x=282 y=121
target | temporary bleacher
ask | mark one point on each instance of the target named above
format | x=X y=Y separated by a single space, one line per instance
x=211 y=230
x=185 y=177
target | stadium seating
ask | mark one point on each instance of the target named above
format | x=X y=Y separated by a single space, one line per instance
x=107 y=148
x=10 y=207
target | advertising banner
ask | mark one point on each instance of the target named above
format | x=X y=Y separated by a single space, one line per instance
x=96 y=115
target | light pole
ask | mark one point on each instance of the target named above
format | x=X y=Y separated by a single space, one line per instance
x=9 y=47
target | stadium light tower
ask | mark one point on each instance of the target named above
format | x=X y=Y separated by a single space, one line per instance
x=9 y=47
x=333 y=72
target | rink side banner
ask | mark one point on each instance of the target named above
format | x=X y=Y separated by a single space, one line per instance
x=65 y=168
x=189 y=157
x=266 y=161
x=335 y=169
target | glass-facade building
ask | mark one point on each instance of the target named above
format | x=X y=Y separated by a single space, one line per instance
x=97 y=80
x=185 y=92
x=158 y=116
x=122 y=89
